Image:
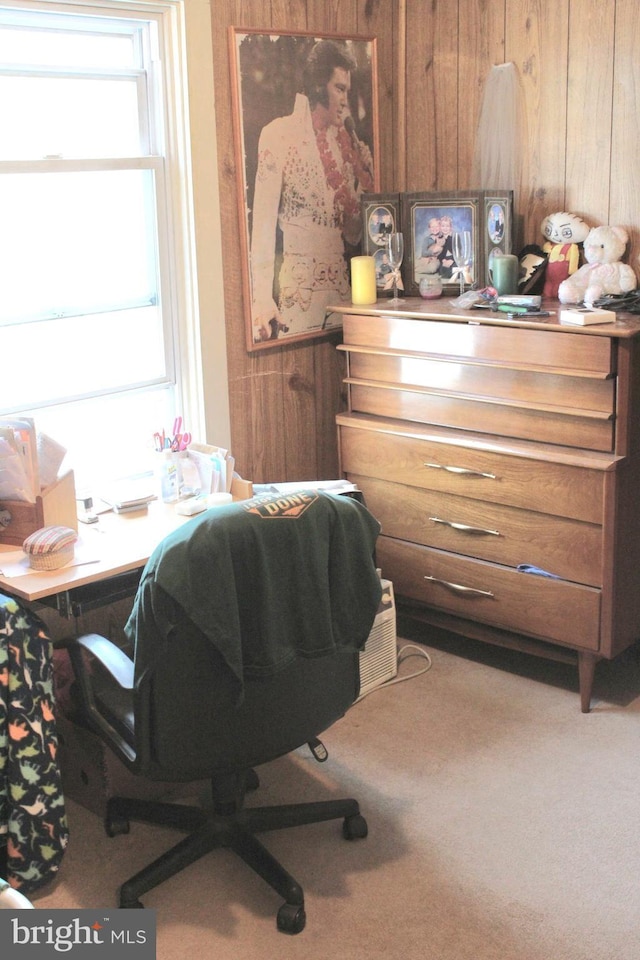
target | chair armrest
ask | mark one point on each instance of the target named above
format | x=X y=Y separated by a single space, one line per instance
x=112 y=658
x=121 y=668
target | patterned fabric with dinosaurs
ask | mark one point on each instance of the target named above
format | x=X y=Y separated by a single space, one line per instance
x=33 y=823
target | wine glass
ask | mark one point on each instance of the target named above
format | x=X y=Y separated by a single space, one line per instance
x=462 y=253
x=395 y=248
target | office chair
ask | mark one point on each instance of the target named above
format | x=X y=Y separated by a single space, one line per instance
x=246 y=628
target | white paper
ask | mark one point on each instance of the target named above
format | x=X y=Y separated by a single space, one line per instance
x=331 y=486
x=50 y=457
x=19 y=479
x=15 y=563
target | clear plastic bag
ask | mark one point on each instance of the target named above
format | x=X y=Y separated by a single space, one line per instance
x=467 y=300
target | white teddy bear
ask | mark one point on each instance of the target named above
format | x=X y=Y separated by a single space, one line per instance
x=602 y=273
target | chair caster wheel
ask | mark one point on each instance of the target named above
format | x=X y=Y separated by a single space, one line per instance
x=355 y=827
x=115 y=826
x=252 y=781
x=291 y=918
x=131 y=904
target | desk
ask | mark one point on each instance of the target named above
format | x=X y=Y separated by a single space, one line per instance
x=122 y=543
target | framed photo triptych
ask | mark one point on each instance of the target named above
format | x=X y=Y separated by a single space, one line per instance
x=428 y=222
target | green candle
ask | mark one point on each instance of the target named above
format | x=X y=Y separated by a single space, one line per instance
x=504 y=273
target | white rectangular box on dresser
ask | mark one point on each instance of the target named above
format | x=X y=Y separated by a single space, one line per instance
x=502 y=458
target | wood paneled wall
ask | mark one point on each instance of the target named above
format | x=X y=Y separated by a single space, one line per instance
x=580 y=83
x=284 y=400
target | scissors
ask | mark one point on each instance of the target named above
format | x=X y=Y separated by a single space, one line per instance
x=180 y=442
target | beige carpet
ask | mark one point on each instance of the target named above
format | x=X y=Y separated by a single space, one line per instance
x=503 y=825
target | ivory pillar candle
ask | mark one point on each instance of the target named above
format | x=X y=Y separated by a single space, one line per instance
x=504 y=273
x=363 y=280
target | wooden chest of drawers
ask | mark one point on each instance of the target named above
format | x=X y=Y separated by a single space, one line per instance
x=493 y=452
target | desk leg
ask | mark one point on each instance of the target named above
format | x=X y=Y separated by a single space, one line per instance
x=586 y=672
x=63 y=604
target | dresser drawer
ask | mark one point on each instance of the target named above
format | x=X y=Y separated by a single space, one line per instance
x=568 y=548
x=508 y=346
x=438 y=460
x=535 y=606
x=536 y=388
x=591 y=430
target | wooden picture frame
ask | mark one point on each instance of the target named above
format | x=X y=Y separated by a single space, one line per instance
x=381 y=215
x=429 y=220
x=498 y=227
x=303 y=161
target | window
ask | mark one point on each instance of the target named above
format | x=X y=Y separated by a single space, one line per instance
x=90 y=227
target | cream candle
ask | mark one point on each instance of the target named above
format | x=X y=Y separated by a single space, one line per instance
x=363 y=280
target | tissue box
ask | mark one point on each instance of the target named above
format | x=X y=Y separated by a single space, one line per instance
x=583 y=316
x=55 y=506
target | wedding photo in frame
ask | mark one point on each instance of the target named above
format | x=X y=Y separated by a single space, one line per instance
x=429 y=221
x=305 y=118
x=498 y=227
x=380 y=217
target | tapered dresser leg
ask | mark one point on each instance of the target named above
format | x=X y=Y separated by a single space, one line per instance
x=586 y=671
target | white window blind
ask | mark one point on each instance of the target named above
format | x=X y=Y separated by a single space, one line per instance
x=88 y=250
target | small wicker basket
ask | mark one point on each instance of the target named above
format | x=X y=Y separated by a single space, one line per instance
x=50 y=547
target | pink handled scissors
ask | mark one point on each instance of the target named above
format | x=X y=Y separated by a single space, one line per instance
x=180 y=442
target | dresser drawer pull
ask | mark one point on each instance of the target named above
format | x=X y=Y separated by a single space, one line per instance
x=459 y=588
x=465 y=528
x=465 y=470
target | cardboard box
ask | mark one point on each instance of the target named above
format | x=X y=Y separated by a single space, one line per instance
x=55 y=506
x=241 y=489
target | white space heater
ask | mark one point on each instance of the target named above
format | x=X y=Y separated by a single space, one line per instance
x=379 y=658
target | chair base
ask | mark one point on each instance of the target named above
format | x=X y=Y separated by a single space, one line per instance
x=228 y=825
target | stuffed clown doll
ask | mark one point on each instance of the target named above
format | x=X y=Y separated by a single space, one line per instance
x=563 y=232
